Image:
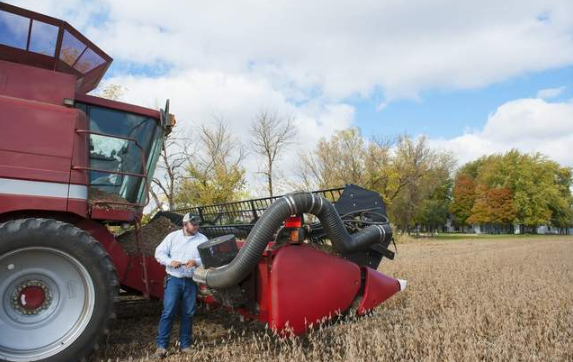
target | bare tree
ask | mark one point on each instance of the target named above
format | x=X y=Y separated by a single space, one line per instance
x=272 y=134
x=219 y=146
x=214 y=173
x=173 y=160
x=335 y=162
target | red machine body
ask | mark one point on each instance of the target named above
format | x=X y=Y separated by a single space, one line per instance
x=59 y=149
x=44 y=161
x=298 y=287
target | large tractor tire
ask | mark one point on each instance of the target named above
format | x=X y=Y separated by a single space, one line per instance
x=57 y=288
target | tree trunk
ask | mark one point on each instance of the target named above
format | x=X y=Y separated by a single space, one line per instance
x=270 y=178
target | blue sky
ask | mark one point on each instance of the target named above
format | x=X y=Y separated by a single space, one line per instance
x=443 y=113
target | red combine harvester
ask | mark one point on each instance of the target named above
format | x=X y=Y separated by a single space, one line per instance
x=74 y=165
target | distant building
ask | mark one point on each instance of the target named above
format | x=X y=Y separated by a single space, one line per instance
x=451 y=227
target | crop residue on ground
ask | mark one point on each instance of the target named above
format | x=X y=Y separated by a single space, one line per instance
x=467 y=300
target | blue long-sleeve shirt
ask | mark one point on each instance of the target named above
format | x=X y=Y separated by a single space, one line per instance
x=179 y=247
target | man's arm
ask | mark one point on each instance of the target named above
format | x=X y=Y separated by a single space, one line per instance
x=162 y=251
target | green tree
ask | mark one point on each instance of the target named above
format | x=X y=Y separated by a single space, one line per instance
x=433 y=212
x=531 y=179
x=525 y=189
x=562 y=204
x=417 y=171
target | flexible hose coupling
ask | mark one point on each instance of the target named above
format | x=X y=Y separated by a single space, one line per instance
x=200 y=275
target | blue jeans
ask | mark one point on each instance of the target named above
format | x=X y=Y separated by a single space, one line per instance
x=178 y=292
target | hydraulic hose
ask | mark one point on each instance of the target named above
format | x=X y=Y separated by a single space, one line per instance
x=250 y=254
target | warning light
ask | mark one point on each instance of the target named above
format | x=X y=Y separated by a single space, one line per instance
x=293 y=222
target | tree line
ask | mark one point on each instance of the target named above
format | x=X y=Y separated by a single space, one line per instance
x=420 y=185
x=504 y=190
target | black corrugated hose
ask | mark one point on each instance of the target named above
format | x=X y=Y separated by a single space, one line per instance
x=250 y=254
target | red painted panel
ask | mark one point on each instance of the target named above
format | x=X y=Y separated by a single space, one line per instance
x=378 y=287
x=9 y=203
x=132 y=275
x=42 y=85
x=37 y=128
x=113 y=248
x=36 y=140
x=34 y=167
x=263 y=289
x=156 y=275
x=115 y=215
x=308 y=285
x=128 y=267
x=79 y=207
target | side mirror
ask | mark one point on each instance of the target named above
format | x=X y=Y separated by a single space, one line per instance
x=167 y=120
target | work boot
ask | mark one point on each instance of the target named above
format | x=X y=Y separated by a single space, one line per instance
x=160 y=353
x=186 y=350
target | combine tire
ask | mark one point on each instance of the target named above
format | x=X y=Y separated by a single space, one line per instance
x=57 y=287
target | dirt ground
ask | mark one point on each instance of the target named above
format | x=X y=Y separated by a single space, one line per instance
x=467 y=300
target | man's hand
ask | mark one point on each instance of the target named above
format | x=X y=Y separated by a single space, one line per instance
x=175 y=264
x=190 y=264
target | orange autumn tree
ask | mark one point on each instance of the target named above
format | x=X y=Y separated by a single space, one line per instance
x=501 y=207
x=481 y=211
x=464 y=195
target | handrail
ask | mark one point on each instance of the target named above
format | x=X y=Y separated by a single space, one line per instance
x=244 y=210
x=109 y=171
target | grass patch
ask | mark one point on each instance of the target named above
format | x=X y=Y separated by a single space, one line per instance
x=451 y=236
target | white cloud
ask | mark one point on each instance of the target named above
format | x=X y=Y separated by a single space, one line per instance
x=197 y=97
x=233 y=58
x=529 y=125
x=550 y=93
x=335 y=49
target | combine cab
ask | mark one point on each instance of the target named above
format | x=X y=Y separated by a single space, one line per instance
x=70 y=165
x=74 y=165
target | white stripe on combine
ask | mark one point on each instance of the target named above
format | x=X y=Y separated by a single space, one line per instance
x=42 y=189
x=78 y=192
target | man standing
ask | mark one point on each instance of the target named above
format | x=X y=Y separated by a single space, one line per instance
x=178 y=252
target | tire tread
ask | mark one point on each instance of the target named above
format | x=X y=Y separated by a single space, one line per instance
x=84 y=242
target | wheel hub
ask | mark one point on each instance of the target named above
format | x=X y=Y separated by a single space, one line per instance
x=31 y=297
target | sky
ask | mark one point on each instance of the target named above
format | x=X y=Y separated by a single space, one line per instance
x=475 y=77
